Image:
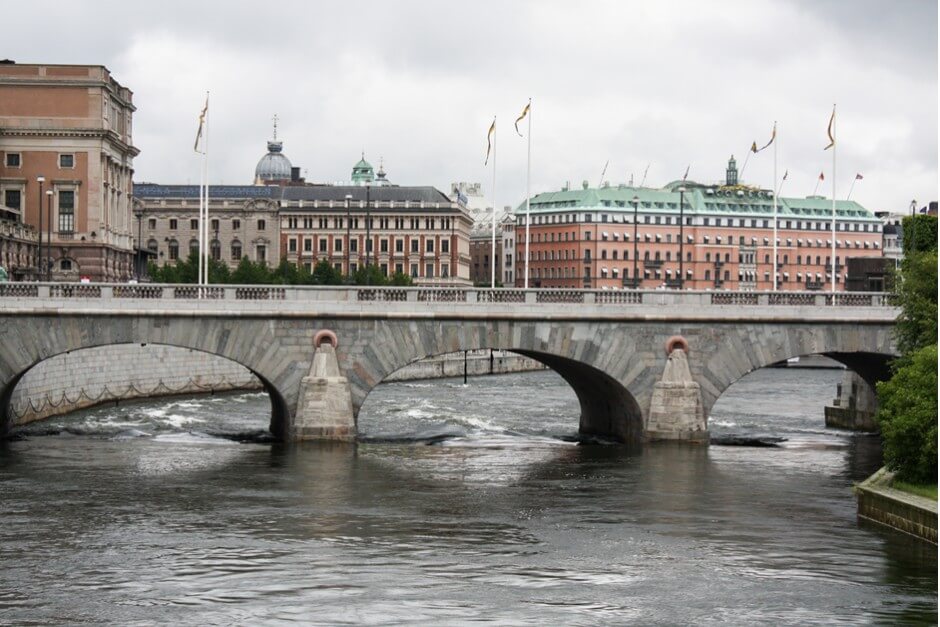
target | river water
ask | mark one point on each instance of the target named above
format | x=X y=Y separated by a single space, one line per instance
x=460 y=504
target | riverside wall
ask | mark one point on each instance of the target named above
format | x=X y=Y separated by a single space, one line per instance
x=908 y=513
x=107 y=374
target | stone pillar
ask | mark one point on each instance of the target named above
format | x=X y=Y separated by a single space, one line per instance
x=676 y=410
x=855 y=406
x=324 y=407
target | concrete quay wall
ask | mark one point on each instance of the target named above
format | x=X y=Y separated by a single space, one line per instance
x=95 y=376
x=878 y=502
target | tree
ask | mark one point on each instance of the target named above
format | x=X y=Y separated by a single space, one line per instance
x=400 y=279
x=907 y=414
x=249 y=272
x=326 y=274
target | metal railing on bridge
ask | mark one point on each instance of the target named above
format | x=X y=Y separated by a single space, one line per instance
x=449 y=295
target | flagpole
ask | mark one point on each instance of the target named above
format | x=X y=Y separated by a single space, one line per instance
x=851 y=187
x=775 y=206
x=833 y=257
x=528 y=179
x=816 y=189
x=205 y=211
x=493 y=237
x=744 y=167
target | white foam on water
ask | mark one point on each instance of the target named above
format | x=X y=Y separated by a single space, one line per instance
x=177 y=420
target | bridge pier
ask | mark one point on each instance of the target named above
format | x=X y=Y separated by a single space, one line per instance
x=676 y=410
x=324 y=406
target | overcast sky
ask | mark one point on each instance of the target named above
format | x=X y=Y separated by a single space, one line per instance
x=666 y=83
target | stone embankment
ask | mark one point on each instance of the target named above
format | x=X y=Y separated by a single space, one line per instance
x=908 y=513
x=109 y=374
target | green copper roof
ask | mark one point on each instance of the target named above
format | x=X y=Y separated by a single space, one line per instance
x=697 y=199
x=362 y=172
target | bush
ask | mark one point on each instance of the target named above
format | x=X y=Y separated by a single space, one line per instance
x=908 y=417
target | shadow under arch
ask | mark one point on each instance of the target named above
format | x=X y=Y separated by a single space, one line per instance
x=280 y=412
x=608 y=409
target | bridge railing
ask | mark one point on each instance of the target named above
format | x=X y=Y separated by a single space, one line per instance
x=453 y=295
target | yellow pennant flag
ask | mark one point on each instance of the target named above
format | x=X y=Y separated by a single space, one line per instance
x=773 y=136
x=202 y=122
x=489 y=140
x=832 y=138
x=521 y=117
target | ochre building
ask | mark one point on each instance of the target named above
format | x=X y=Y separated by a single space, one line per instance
x=690 y=236
x=67 y=129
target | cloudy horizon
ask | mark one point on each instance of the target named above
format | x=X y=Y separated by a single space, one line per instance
x=416 y=84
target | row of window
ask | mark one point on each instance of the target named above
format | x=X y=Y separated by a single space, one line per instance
x=354 y=245
x=615 y=273
x=13 y=198
x=803 y=225
x=194 y=224
x=399 y=268
x=215 y=249
x=386 y=223
x=15 y=160
x=743 y=257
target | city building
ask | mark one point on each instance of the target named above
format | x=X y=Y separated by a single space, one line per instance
x=66 y=166
x=243 y=222
x=689 y=235
x=19 y=246
x=507 y=254
x=413 y=230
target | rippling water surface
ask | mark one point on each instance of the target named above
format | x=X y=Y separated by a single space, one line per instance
x=461 y=504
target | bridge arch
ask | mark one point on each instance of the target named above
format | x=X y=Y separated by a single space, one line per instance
x=731 y=352
x=28 y=341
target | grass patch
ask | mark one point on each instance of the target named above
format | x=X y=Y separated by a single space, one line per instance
x=927 y=491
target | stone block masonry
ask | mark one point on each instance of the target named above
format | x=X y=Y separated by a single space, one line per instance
x=94 y=376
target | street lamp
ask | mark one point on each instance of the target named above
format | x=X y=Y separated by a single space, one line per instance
x=636 y=250
x=368 y=231
x=681 y=233
x=348 y=202
x=139 y=214
x=48 y=266
x=40 y=179
x=913 y=207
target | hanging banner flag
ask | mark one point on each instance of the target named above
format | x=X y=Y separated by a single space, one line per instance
x=858 y=177
x=686 y=175
x=773 y=136
x=832 y=139
x=521 y=117
x=822 y=177
x=489 y=140
x=786 y=172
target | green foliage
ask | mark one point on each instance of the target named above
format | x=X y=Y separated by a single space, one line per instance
x=401 y=280
x=916 y=290
x=369 y=275
x=928 y=491
x=325 y=274
x=908 y=417
x=920 y=234
x=251 y=272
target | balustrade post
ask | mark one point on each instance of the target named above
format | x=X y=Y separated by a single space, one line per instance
x=45 y=291
x=411 y=296
x=228 y=293
x=107 y=292
x=590 y=298
x=530 y=297
x=763 y=299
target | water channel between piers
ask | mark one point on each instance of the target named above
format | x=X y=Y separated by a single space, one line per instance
x=459 y=503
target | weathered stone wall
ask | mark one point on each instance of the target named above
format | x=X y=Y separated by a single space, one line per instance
x=855 y=406
x=478 y=363
x=92 y=376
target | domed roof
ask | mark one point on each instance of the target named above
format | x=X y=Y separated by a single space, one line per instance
x=274 y=166
x=362 y=172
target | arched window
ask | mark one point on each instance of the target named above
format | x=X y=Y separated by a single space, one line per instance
x=194 y=246
x=173 y=250
x=152 y=245
x=236 y=251
x=215 y=249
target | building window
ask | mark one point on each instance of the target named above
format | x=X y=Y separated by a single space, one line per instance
x=261 y=225
x=399 y=246
x=337 y=245
x=445 y=270
x=66 y=211
x=13 y=160
x=65 y=265
x=414 y=246
x=414 y=271
x=322 y=244
x=152 y=224
x=399 y=268
x=67 y=161
x=429 y=245
x=384 y=269
x=353 y=245
x=308 y=245
x=236 y=251
x=292 y=245
x=262 y=252
x=236 y=224
x=428 y=270
x=193 y=247
x=215 y=249
x=172 y=224
x=12 y=198
x=383 y=245
x=173 y=250
x=215 y=224
x=194 y=224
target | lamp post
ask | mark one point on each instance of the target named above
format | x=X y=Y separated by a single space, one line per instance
x=368 y=231
x=348 y=202
x=913 y=207
x=48 y=266
x=681 y=234
x=40 y=179
x=139 y=214
x=636 y=244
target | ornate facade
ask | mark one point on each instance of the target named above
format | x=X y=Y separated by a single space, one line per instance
x=67 y=129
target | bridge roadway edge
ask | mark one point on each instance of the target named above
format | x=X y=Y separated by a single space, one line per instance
x=279 y=348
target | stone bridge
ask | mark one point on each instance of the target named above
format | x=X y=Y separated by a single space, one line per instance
x=642 y=363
